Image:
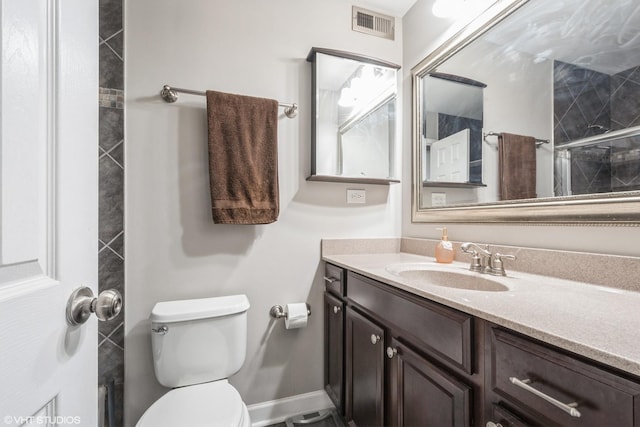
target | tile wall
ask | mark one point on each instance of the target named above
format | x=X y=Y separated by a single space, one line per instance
x=111 y=198
x=581 y=98
x=584 y=97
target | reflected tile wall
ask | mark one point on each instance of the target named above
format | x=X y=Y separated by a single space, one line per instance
x=581 y=98
x=625 y=99
x=585 y=97
x=591 y=170
x=111 y=197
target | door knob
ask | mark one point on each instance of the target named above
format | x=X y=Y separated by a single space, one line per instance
x=375 y=338
x=336 y=309
x=82 y=303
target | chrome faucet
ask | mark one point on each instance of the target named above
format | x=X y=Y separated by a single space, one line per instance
x=480 y=256
x=483 y=261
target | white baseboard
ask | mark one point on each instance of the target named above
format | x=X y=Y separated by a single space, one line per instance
x=276 y=411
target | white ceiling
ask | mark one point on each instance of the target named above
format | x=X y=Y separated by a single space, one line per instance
x=389 y=7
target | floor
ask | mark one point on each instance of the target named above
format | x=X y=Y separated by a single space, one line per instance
x=327 y=422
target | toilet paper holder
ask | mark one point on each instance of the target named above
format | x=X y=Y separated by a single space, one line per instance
x=277 y=312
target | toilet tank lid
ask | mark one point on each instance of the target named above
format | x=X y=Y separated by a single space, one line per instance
x=201 y=308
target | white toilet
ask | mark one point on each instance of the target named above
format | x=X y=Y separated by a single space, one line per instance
x=196 y=345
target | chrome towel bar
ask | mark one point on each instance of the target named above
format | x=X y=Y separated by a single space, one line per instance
x=170 y=94
x=539 y=141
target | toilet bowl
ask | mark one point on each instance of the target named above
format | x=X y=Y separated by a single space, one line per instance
x=214 y=404
x=197 y=344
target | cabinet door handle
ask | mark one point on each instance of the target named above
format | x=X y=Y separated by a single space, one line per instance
x=391 y=352
x=492 y=424
x=336 y=309
x=569 y=408
x=375 y=338
x=330 y=279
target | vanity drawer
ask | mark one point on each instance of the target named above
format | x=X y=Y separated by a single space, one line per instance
x=601 y=397
x=444 y=333
x=501 y=416
x=334 y=279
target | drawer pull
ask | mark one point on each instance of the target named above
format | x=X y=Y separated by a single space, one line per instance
x=336 y=309
x=375 y=338
x=569 y=408
x=330 y=279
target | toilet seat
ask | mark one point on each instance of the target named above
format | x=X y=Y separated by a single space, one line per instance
x=214 y=404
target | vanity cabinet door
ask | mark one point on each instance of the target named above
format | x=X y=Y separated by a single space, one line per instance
x=334 y=350
x=365 y=371
x=422 y=394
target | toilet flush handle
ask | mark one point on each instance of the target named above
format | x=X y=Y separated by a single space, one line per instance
x=162 y=330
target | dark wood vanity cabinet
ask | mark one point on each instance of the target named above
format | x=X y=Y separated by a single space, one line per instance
x=406 y=359
x=396 y=359
x=531 y=383
x=422 y=394
x=334 y=350
x=334 y=329
x=365 y=371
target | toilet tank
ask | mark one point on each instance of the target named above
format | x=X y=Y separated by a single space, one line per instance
x=204 y=340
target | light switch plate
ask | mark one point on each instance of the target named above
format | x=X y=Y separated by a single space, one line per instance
x=356 y=196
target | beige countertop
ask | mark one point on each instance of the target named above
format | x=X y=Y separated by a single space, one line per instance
x=598 y=322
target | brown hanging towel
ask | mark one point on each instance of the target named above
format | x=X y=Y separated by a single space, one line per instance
x=243 y=158
x=517 y=166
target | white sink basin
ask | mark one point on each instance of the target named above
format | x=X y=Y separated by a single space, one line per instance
x=440 y=276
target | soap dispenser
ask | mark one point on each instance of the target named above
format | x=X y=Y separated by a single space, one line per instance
x=444 y=248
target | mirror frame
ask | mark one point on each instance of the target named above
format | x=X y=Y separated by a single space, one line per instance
x=621 y=208
x=311 y=57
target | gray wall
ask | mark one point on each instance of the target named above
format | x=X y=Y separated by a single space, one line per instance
x=173 y=249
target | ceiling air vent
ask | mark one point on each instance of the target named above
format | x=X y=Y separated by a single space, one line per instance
x=376 y=24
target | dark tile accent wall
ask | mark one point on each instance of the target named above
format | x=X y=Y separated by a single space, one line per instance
x=625 y=165
x=111 y=198
x=585 y=97
x=581 y=98
x=448 y=125
x=591 y=170
x=625 y=99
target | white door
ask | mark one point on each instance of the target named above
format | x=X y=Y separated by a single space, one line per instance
x=48 y=209
x=449 y=159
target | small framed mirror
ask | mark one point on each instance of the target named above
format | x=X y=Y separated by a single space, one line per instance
x=353 y=118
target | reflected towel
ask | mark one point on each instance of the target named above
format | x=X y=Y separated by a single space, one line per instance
x=517 y=166
x=243 y=158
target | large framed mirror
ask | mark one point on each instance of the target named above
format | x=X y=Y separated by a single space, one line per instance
x=353 y=118
x=551 y=91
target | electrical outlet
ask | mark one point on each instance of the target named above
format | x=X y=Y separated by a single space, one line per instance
x=438 y=199
x=356 y=196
